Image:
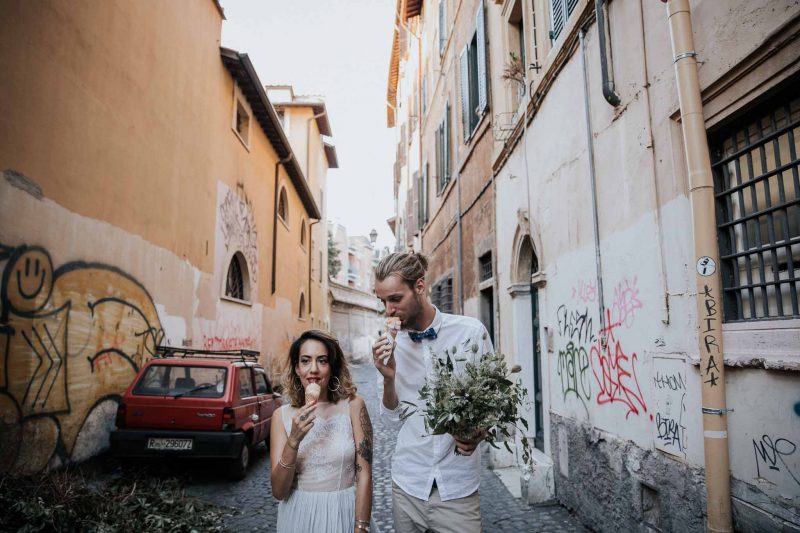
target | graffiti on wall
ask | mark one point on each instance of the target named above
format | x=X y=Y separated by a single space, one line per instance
x=771 y=456
x=708 y=317
x=669 y=397
x=239 y=230
x=71 y=341
x=603 y=352
x=227 y=336
x=614 y=370
x=576 y=328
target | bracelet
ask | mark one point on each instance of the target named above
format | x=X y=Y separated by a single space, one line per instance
x=289 y=444
x=362 y=526
x=362 y=522
x=280 y=462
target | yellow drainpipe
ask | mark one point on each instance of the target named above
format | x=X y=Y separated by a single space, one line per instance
x=709 y=302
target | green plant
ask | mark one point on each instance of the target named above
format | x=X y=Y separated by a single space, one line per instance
x=334 y=263
x=65 y=500
x=514 y=70
x=466 y=396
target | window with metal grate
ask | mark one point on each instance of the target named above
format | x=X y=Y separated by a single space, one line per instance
x=485 y=264
x=234 y=285
x=756 y=170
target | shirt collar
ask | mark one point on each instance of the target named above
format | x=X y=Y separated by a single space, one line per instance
x=436 y=324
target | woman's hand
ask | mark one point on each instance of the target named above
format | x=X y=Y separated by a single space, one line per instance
x=302 y=422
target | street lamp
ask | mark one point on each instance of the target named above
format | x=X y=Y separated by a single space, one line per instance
x=373 y=236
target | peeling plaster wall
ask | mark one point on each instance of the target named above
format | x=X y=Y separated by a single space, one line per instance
x=622 y=408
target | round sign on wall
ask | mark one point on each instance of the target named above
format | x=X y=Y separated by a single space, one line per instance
x=706 y=266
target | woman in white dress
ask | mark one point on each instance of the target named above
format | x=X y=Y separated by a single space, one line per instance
x=321 y=452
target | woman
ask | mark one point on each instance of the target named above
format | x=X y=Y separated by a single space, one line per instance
x=321 y=453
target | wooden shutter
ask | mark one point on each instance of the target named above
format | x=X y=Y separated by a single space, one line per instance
x=557 y=17
x=465 y=108
x=442 y=34
x=446 y=142
x=483 y=89
x=413 y=221
x=439 y=161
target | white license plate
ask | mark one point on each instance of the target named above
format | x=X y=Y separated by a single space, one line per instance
x=169 y=444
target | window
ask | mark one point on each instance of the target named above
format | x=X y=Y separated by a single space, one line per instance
x=262 y=383
x=443 y=156
x=303 y=233
x=516 y=32
x=756 y=167
x=424 y=93
x=474 y=88
x=302 y=313
x=485 y=266
x=245 y=383
x=237 y=279
x=442 y=29
x=442 y=295
x=283 y=208
x=422 y=197
x=560 y=11
x=241 y=124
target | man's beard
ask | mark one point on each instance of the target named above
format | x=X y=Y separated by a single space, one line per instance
x=414 y=312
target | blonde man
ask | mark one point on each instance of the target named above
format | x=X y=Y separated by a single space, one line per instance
x=433 y=488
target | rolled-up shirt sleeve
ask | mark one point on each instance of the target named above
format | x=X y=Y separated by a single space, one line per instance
x=391 y=417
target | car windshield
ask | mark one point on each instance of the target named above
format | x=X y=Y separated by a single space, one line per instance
x=182 y=380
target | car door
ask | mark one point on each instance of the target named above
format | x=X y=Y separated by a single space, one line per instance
x=249 y=401
x=264 y=393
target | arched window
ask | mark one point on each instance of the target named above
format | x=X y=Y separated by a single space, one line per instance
x=302 y=313
x=527 y=263
x=237 y=280
x=283 y=206
x=303 y=233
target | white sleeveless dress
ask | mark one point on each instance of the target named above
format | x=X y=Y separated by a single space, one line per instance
x=323 y=497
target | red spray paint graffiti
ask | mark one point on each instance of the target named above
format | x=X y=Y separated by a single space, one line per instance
x=617 y=371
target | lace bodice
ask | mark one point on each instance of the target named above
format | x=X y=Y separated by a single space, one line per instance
x=326 y=457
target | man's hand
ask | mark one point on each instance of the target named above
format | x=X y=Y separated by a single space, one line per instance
x=467 y=447
x=383 y=357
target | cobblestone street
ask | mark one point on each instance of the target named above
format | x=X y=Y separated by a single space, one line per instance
x=254 y=508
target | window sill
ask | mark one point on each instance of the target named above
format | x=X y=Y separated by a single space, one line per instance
x=285 y=224
x=244 y=143
x=236 y=300
x=772 y=345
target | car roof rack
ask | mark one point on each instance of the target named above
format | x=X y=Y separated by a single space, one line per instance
x=164 y=352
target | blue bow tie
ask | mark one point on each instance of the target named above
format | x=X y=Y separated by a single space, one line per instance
x=429 y=333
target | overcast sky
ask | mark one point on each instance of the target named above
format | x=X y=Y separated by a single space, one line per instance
x=338 y=49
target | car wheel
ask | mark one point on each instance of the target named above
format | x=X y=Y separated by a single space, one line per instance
x=238 y=467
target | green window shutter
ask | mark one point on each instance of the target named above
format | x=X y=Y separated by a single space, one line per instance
x=483 y=89
x=446 y=142
x=557 y=18
x=442 y=30
x=465 y=107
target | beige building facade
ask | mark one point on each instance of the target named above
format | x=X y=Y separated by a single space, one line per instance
x=149 y=196
x=596 y=268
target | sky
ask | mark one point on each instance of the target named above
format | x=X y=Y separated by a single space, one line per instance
x=338 y=49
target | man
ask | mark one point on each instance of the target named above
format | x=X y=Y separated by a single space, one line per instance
x=435 y=478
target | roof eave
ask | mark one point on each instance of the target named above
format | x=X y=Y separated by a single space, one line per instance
x=270 y=123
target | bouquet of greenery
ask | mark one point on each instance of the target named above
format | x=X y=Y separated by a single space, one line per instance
x=479 y=396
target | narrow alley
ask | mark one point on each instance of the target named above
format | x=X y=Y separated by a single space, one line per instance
x=254 y=508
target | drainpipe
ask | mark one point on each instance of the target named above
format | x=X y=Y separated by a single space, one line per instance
x=308 y=177
x=606 y=66
x=598 y=263
x=275 y=217
x=310 y=257
x=709 y=305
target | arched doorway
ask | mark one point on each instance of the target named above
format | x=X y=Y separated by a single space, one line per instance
x=527 y=268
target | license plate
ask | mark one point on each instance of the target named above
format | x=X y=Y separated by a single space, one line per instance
x=169 y=444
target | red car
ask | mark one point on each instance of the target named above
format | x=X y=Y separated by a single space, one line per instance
x=198 y=404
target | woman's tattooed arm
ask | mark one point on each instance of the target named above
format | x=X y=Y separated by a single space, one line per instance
x=365 y=446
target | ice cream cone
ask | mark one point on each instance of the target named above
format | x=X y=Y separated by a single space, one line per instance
x=312 y=393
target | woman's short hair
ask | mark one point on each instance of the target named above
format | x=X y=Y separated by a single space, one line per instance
x=293 y=387
x=410 y=266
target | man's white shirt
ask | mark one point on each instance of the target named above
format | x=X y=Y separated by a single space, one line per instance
x=420 y=458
